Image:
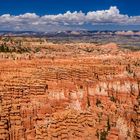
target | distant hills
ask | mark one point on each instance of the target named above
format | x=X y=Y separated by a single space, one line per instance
x=68 y=33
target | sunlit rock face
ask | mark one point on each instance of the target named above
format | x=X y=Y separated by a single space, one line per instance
x=90 y=95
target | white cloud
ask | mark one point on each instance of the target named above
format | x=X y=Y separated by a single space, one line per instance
x=107 y=16
x=68 y=20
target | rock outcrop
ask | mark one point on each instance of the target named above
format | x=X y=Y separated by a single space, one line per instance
x=69 y=96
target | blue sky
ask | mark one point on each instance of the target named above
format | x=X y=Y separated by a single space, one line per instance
x=37 y=9
x=41 y=7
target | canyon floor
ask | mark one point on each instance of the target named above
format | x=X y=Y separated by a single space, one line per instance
x=68 y=91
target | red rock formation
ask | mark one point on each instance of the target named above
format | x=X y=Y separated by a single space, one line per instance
x=70 y=96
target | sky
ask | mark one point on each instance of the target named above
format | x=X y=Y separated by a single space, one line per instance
x=56 y=15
